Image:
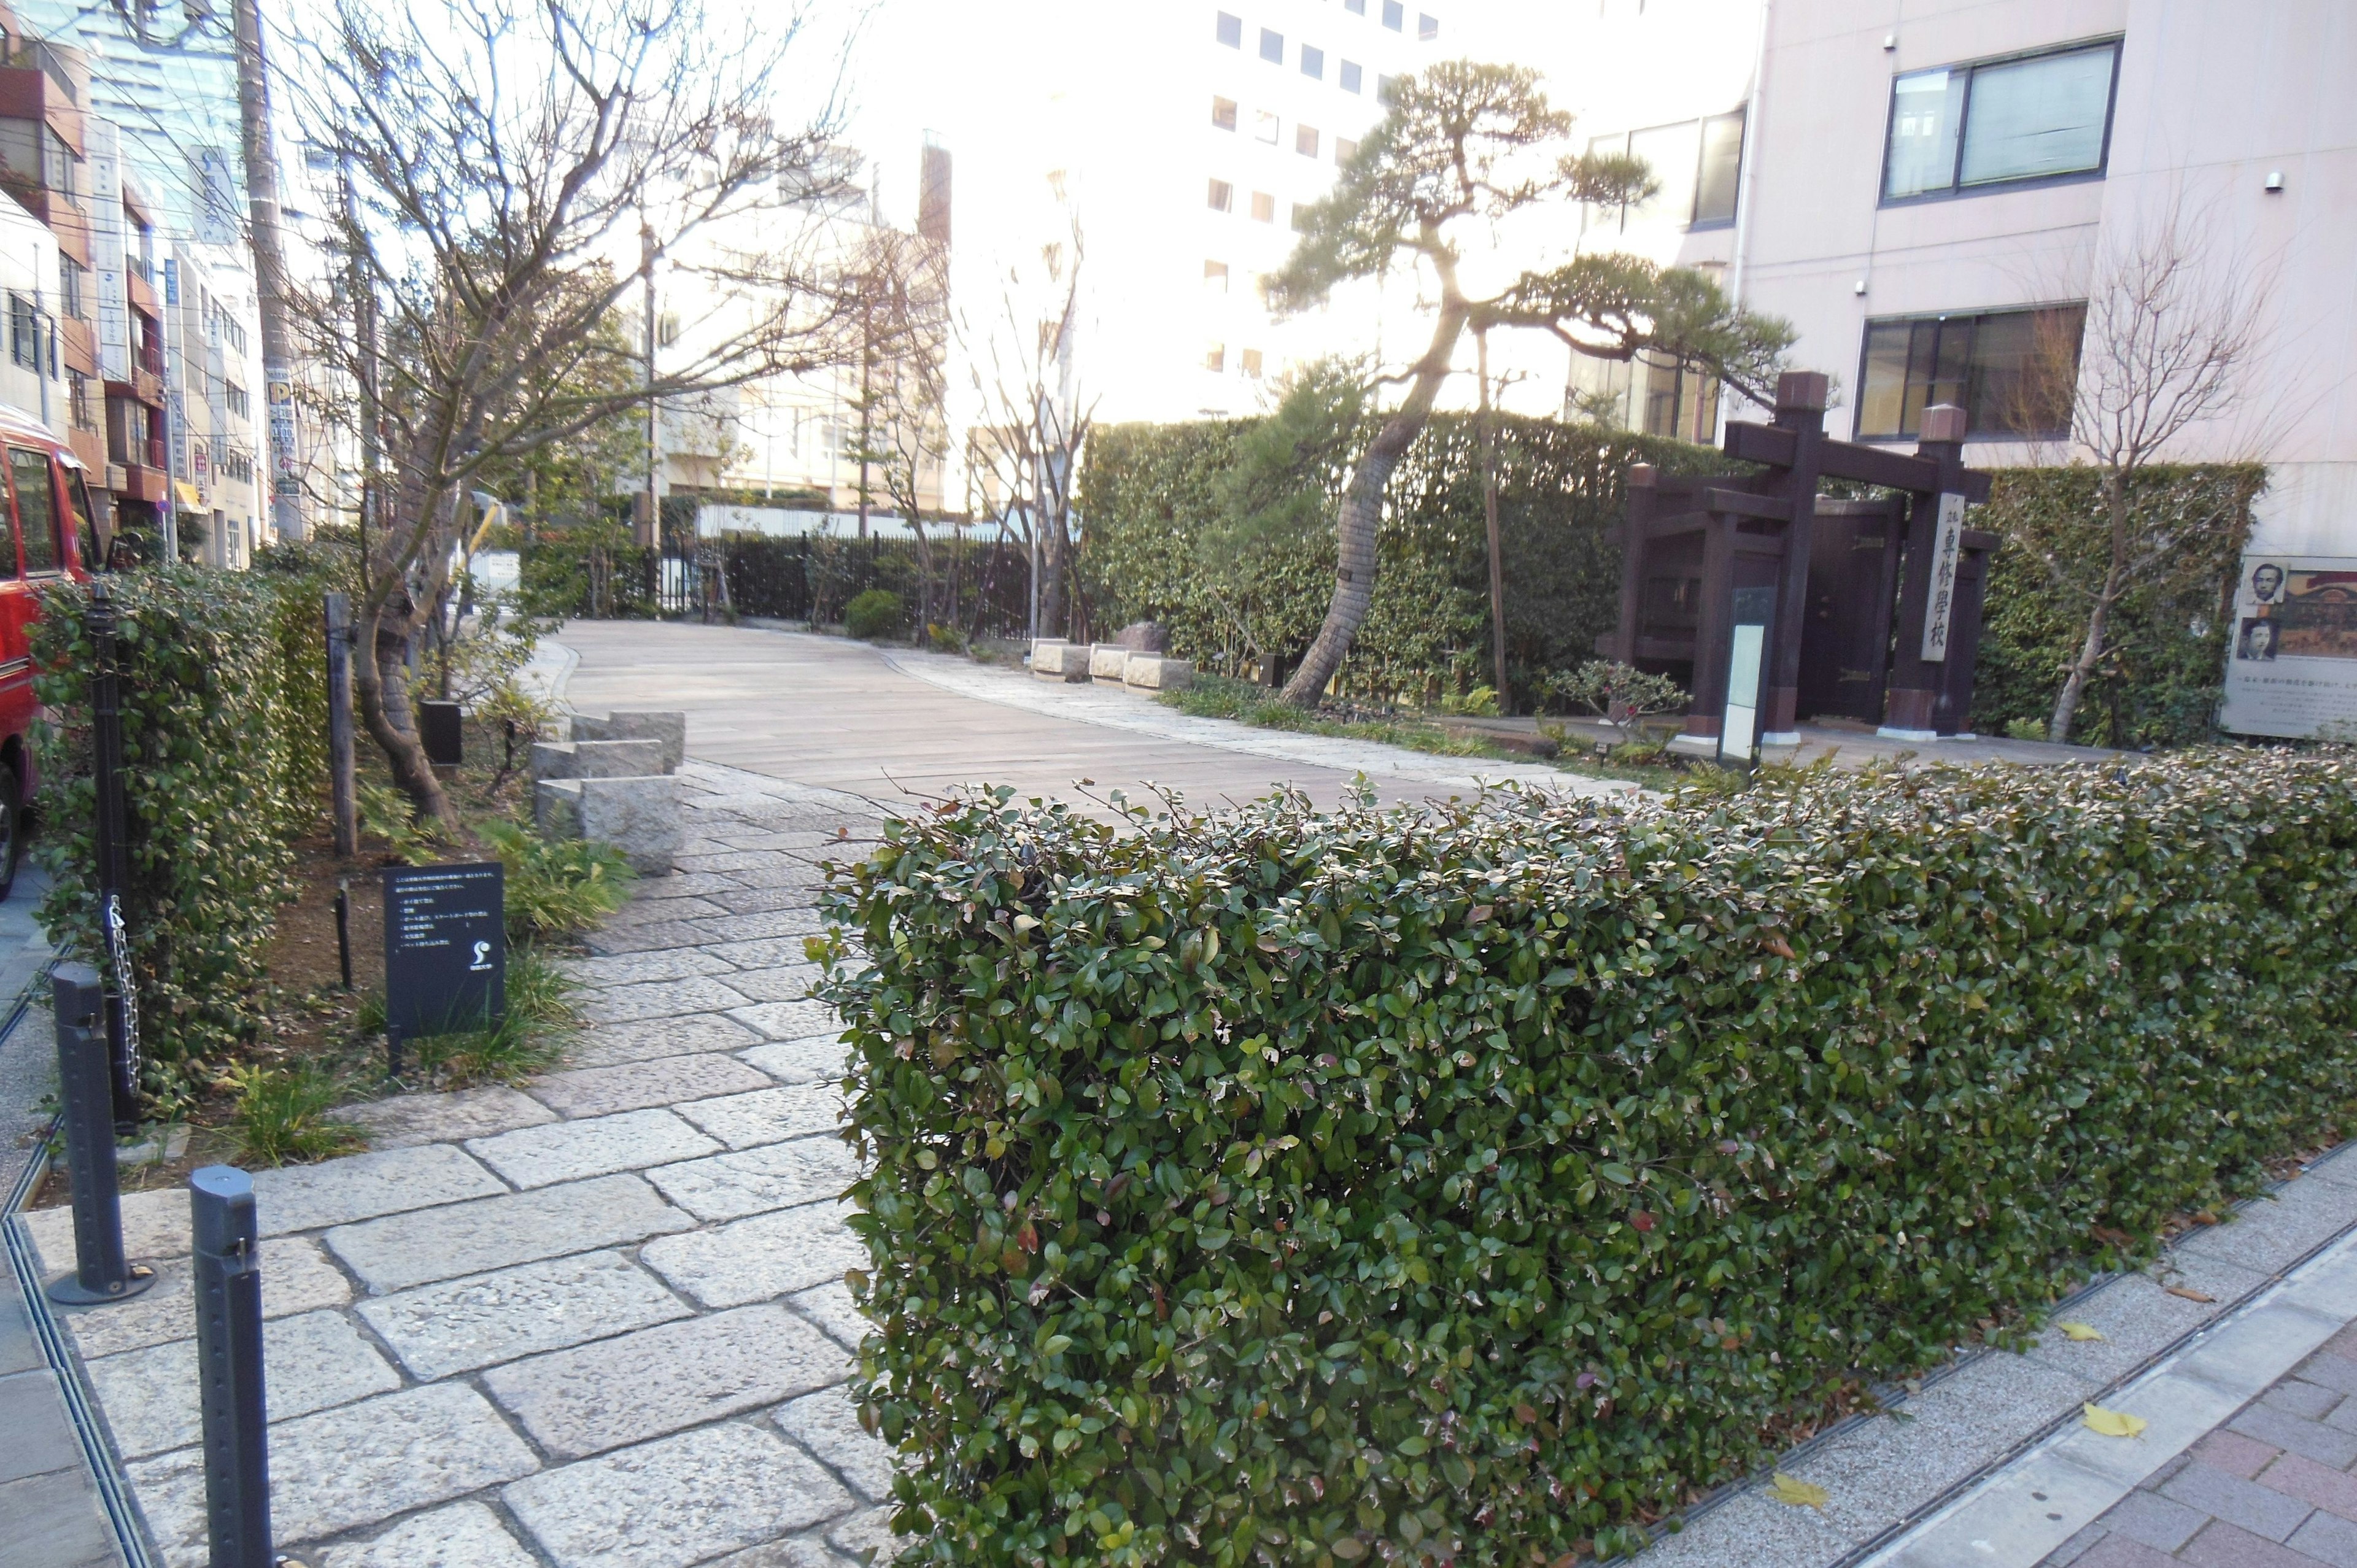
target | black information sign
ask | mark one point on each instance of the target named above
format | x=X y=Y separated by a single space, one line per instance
x=445 y=951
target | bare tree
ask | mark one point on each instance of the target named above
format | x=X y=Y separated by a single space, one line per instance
x=1468 y=147
x=1034 y=417
x=516 y=167
x=904 y=433
x=2166 y=344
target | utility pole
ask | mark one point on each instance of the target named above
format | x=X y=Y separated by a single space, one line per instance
x=866 y=395
x=269 y=273
x=650 y=530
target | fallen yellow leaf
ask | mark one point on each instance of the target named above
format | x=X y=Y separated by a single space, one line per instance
x=1799 y=1494
x=2190 y=1295
x=2078 y=1331
x=2114 y=1423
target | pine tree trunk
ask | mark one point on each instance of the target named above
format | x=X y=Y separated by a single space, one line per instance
x=1363 y=511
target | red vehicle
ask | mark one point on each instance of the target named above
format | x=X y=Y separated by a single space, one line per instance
x=52 y=534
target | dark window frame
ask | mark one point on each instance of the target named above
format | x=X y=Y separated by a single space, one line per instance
x=1972 y=433
x=1695 y=222
x=1956 y=190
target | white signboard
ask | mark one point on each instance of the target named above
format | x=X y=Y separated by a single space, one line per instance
x=1742 y=722
x=2291 y=654
x=1947 y=548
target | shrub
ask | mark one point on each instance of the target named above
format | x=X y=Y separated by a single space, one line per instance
x=1475 y=1182
x=217 y=724
x=876 y=613
x=556 y=887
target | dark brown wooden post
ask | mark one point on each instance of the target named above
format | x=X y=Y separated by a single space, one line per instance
x=1800 y=397
x=1637 y=513
x=1915 y=683
x=1713 y=627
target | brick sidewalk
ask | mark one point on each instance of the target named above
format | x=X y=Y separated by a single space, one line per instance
x=598 y=1322
x=2273 y=1488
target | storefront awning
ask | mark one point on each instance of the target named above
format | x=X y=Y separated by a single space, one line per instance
x=189 y=496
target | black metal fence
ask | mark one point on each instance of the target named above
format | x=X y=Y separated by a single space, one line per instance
x=980 y=587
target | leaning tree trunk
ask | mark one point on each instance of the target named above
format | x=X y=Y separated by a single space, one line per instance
x=1362 y=510
x=2091 y=647
x=381 y=683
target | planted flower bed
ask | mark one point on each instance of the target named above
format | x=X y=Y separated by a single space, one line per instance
x=1476 y=1184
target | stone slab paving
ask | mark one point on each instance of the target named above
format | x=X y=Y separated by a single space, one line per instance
x=595 y=1322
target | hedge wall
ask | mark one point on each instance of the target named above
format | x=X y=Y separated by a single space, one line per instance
x=1473 y=1183
x=2163 y=678
x=1148 y=494
x=222 y=711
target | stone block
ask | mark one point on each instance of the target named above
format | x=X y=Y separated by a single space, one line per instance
x=1107 y=663
x=315 y=1362
x=408 y=1250
x=602 y=1090
x=610 y=1045
x=464 y=1535
x=597 y=759
x=1152 y=672
x=600 y=1145
x=557 y=808
x=817 y=1058
x=347 y=1468
x=362 y=1187
x=660 y=999
x=767 y=1115
x=677 y=1501
x=33 y=1427
x=668 y=729
x=1053 y=659
x=754 y=1181
x=460 y=1324
x=831 y=1307
x=407 y=1120
x=787 y=982
x=789 y=1020
x=1143 y=636
x=639 y=968
x=638 y=816
x=657 y=1380
x=295 y=1277
x=827 y=1423
x=57 y=1519
x=155 y=1225
x=756 y=1258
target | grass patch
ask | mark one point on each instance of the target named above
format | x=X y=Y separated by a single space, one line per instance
x=281 y=1115
x=1225 y=697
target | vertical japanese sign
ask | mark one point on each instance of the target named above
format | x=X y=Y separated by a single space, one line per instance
x=1947 y=549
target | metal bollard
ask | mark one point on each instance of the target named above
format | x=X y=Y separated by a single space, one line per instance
x=229 y=1367
x=85 y=1084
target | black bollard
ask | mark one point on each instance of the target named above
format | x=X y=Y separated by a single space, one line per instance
x=344 y=929
x=99 y=1274
x=110 y=840
x=229 y=1367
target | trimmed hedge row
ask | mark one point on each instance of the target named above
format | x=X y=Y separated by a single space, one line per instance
x=223 y=712
x=1470 y=1184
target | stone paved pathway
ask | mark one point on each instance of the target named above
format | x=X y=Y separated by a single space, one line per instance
x=2273 y=1488
x=598 y=1322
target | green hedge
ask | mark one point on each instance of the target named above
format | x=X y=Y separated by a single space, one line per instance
x=1476 y=1182
x=2164 y=674
x=223 y=715
x=1150 y=494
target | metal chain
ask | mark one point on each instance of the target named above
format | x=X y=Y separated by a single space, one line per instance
x=119 y=952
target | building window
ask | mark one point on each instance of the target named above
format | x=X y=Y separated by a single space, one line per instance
x=1680 y=400
x=1231 y=30
x=1313 y=62
x=1264 y=126
x=1351 y=76
x=1304 y=140
x=2014 y=372
x=24 y=333
x=1223 y=196
x=1427 y=27
x=1223 y=114
x=1252 y=362
x=1384 y=85
x=1301 y=217
x=1272 y=45
x=1722 y=167
x=1264 y=208
x=1356 y=7
x=1215 y=277
x=1394 y=15
x=667 y=327
x=1215 y=358
x=1345 y=149
x=78 y=407
x=1968 y=126
x=239 y=403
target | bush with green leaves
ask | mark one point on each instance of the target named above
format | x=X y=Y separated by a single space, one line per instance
x=1473 y=1183
x=876 y=613
x=1620 y=694
x=556 y=887
x=220 y=714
